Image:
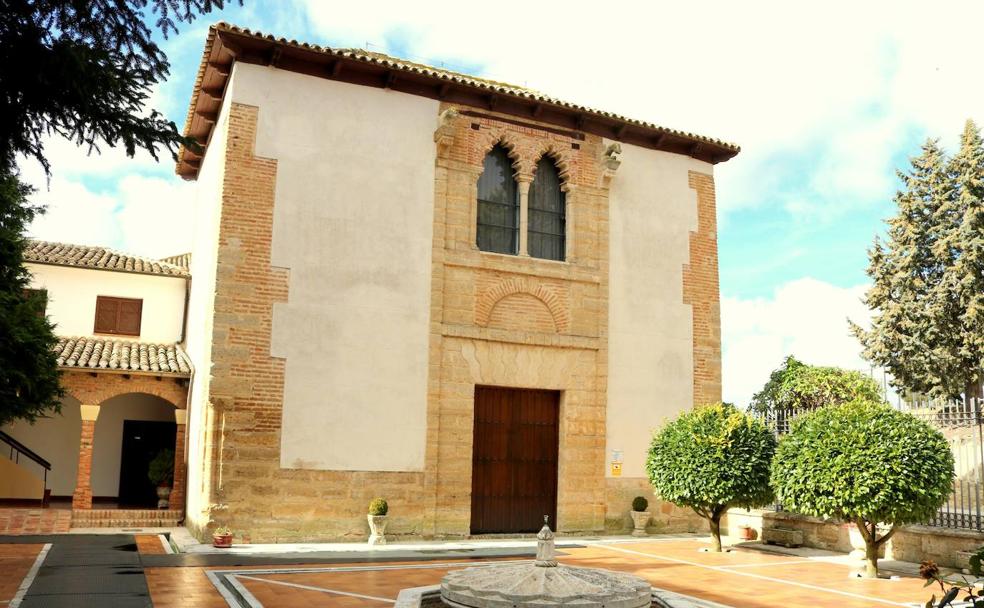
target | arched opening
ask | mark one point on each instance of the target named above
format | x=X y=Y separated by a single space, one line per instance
x=131 y=430
x=547 y=213
x=498 y=204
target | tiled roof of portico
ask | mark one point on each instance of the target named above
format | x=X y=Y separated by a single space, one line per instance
x=112 y=354
x=100 y=258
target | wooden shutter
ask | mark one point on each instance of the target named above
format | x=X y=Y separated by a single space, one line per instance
x=118 y=316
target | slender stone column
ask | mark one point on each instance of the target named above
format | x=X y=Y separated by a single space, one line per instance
x=82 y=497
x=524 y=222
x=178 y=488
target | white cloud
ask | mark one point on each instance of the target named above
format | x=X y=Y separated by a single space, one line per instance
x=806 y=318
x=137 y=211
x=843 y=81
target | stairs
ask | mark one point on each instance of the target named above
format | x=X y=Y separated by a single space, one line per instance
x=125 y=518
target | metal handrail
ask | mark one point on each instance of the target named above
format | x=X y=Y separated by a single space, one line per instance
x=20 y=448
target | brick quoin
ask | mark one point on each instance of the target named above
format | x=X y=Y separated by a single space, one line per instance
x=702 y=291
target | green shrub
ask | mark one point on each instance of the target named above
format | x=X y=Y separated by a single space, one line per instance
x=639 y=503
x=866 y=463
x=378 y=506
x=161 y=469
x=798 y=386
x=710 y=459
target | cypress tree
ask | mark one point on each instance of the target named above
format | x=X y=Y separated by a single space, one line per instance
x=927 y=276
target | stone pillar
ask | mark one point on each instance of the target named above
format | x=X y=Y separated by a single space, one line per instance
x=524 y=221
x=82 y=497
x=178 y=488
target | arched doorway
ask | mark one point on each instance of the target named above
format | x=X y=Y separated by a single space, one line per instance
x=131 y=430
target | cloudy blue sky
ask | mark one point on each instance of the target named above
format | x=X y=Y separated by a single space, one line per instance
x=826 y=102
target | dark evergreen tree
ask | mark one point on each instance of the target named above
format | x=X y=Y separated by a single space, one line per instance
x=28 y=371
x=907 y=336
x=84 y=70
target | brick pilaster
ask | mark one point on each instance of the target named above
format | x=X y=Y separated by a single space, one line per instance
x=701 y=290
x=178 y=485
x=82 y=497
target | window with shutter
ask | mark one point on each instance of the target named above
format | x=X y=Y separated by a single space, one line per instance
x=118 y=316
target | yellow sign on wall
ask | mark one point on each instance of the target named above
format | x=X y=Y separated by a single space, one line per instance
x=616 y=469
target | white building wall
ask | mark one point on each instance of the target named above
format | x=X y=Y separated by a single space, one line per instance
x=56 y=439
x=650 y=331
x=72 y=296
x=353 y=223
x=201 y=308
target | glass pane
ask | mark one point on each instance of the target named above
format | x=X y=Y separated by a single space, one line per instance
x=545 y=191
x=498 y=204
x=541 y=221
x=497 y=183
x=496 y=239
x=546 y=246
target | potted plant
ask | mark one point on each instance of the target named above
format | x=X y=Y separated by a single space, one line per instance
x=161 y=473
x=377 y=521
x=746 y=532
x=640 y=516
x=222 y=537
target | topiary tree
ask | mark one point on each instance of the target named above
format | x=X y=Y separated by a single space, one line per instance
x=865 y=463
x=378 y=506
x=711 y=459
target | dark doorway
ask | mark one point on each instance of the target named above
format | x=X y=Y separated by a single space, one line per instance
x=514 y=460
x=142 y=441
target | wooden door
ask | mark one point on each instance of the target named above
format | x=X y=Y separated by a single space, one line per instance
x=514 y=459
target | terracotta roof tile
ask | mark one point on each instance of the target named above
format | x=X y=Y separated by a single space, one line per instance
x=123 y=355
x=102 y=258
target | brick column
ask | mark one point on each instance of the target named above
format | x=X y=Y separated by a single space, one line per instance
x=178 y=488
x=82 y=497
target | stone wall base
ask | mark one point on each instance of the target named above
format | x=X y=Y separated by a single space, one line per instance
x=910 y=544
x=667 y=518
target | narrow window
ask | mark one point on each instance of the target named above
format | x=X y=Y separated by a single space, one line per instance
x=118 y=316
x=498 y=205
x=548 y=213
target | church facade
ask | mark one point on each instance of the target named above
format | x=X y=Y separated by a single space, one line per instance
x=468 y=298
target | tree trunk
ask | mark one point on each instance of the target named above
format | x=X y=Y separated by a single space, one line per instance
x=715 y=523
x=870 y=558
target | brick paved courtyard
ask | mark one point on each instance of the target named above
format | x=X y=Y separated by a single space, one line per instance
x=742 y=578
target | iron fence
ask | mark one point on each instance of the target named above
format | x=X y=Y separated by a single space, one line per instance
x=962 y=423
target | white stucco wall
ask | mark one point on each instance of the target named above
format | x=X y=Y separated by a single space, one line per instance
x=107 y=442
x=353 y=223
x=201 y=300
x=72 y=296
x=650 y=350
x=56 y=439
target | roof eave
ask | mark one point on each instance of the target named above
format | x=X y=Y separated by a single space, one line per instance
x=226 y=44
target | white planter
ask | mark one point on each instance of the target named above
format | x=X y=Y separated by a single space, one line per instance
x=857 y=542
x=163 y=497
x=377 y=529
x=639 y=521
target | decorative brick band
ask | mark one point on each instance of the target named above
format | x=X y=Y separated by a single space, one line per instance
x=701 y=291
x=95 y=388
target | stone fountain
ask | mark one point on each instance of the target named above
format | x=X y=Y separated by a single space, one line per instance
x=543 y=583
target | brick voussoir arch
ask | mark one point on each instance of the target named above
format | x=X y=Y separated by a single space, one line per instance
x=488 y=300
x=95 y=389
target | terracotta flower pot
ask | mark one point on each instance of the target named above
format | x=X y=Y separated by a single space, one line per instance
x=377 y=529
x=639 y=521
x=746 y=533
x=222 y=541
